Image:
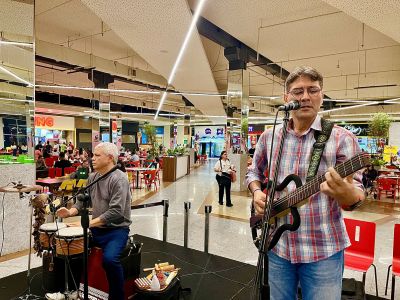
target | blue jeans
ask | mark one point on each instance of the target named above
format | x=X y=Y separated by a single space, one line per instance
x=318 y=280
x=112 y=242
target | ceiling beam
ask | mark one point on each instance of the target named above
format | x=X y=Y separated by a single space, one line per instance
x=224 y=39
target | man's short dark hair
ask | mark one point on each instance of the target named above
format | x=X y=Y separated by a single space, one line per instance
x=309 y=72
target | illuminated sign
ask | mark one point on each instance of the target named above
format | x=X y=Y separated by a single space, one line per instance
x=44 y=121
x=207 y=131
x=54 y=122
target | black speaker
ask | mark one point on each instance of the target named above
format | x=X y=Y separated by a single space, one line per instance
x=131 y=259
x=53 y=268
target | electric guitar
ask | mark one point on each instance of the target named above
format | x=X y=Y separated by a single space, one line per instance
x=299 y=197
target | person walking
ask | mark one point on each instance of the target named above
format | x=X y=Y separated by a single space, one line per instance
x=224 y=168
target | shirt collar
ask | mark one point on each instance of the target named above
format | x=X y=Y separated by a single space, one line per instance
x=316 y=125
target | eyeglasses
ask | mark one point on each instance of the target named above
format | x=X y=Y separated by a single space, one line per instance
x=312 y=92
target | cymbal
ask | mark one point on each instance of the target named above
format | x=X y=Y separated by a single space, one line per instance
x=20 y=189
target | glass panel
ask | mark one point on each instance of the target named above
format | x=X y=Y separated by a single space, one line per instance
x=16 y=78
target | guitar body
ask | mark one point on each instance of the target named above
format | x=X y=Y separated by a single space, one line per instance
x=275 y=233
x=295 y=199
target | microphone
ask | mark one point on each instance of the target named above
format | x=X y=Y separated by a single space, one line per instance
x=292 y=105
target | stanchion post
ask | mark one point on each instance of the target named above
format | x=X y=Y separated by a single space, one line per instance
x=165 y=217
x=207 y=211
x=186 y=224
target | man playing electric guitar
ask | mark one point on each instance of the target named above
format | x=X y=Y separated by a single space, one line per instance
x=313 y=254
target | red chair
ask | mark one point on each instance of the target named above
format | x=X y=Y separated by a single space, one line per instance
x=52 y=172
x=69 y=170
x=49 y=162
x=58 y=172
x=148 y=162
x=396 y=260
x=149 y=178
x=133 y=164
x=391 y=167
x=360 y=255
x=387 y=186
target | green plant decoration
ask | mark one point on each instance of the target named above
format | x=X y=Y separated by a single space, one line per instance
x=244 y=127
x=150 y=132
x=378 y=162
x=379 y=125
x=177 y=151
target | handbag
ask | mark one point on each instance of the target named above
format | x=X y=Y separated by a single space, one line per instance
x=233 y=176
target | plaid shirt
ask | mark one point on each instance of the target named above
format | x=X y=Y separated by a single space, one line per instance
x=322 y=232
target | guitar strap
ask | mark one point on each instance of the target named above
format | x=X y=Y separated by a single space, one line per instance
x=321 y=137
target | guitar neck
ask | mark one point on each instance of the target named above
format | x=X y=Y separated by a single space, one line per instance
x=312 y=187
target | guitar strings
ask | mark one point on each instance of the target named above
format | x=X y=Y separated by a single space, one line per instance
x=350 y=165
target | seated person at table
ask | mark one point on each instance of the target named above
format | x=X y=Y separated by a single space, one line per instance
x=135 y=156
x=82 y=172
x=40 y=163
x=62 y=163
x=369 y=175
x=394 y=161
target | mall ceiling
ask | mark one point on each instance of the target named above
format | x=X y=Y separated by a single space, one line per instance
x=355 y=44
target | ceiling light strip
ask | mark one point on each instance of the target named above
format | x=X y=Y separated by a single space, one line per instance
x=16 y=76
x=16 y=44
x=181 y=52
x=16 y=100
x=347 y=107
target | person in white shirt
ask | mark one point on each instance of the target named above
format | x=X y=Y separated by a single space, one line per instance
x=224 y=168
x=135 y=157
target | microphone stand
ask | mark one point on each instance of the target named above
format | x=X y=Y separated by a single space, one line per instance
x=83 y=196
x=262 y=280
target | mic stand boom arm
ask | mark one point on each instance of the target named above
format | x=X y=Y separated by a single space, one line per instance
x=262 y=263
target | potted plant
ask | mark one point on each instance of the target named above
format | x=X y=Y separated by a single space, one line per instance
x=379 y=128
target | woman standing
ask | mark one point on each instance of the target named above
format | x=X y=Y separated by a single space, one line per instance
x=223 y=167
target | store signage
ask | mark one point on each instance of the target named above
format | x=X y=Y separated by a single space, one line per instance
x=54 y=122
x=44 y=121
x=207 y=131
x=220 y=131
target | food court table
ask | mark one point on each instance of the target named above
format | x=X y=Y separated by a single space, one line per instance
x=137 y=170
x=51 y=183
x=209 y=276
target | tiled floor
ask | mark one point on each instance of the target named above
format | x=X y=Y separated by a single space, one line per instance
x=229 y=229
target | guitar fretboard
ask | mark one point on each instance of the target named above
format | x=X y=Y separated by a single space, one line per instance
x=310 y=188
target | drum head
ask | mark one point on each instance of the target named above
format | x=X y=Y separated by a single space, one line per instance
x=52 y=227
x=70 y=232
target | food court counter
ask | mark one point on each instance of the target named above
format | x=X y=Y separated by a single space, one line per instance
x=16 y=211
x=175 y=167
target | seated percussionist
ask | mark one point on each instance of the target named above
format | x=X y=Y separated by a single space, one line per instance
x=111 y=203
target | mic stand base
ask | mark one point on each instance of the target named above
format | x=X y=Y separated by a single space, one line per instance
x=28 y=295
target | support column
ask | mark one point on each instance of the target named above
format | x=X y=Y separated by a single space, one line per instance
x=238 y=114
x=102 y=80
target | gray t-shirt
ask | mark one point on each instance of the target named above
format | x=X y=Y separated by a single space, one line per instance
x=111 y=199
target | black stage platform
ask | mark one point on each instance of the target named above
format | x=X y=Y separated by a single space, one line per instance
x=209 y=276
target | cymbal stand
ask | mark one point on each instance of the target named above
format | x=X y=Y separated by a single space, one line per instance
x=28 y=295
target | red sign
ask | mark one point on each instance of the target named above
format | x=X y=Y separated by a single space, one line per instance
x=44 y=121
